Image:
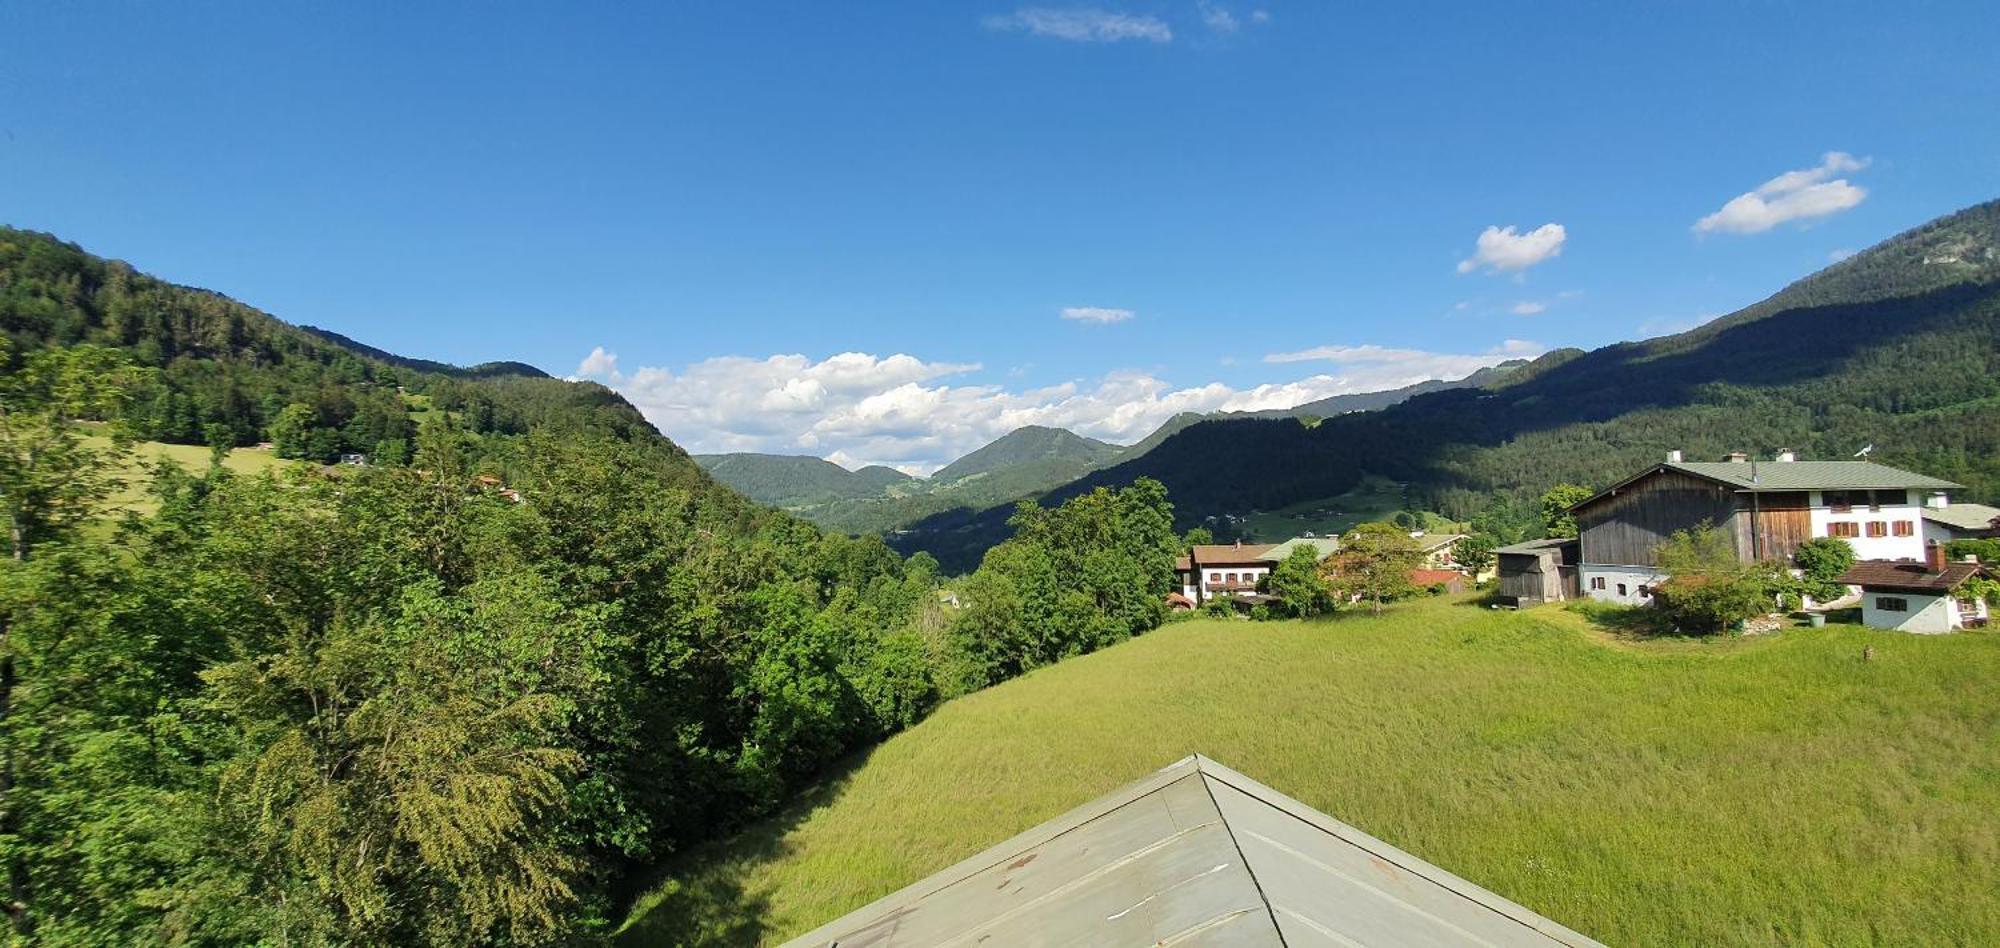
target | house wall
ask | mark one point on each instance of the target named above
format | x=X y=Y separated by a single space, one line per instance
x=1627 y=529
x=1927 y=614
x=1612 y=577
x=1890 y=547
x=1244 y=574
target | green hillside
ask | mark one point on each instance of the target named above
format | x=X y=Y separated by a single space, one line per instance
x=1032 y=444
x=1774 y=790
x=786 y=480
x=1897 y=346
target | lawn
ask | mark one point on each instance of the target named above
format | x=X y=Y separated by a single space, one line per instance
x=192 y=457
x=1775 y=790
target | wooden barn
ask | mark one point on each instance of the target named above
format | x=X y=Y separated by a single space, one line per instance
x=1537 y=571
x=1768 y=508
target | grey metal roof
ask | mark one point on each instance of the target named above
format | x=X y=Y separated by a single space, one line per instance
x=1536 y=546
x=1196 y=854
x=1323 y=547
x=1809 y=475
x=1963 y=516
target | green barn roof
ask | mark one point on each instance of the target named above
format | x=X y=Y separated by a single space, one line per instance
x=1196 y=854
x=1809 y=475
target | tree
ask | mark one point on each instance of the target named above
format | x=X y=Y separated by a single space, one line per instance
x=1557 y=521
x=1373 y=563
x=1708 y=589
x=1297 y=583
x=1475 y=553
x=291 y=432
x=1822 y=560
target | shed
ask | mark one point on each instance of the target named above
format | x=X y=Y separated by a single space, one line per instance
x=1910 y=596
x=1538 y=571
x=1195 y=854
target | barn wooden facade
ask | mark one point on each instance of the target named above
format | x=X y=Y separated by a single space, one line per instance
x=1767 y=508
x=1537 y=571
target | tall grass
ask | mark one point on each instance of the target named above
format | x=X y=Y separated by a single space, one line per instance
x=1780 y=790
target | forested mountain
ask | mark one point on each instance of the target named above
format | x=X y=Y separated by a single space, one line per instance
x=788 y=480
x=1029 y=445
x=455 y=695
x=1897 y=346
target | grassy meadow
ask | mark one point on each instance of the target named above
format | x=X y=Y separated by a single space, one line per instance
x=192 y=457
x=1375 y=498
x=1772 y=790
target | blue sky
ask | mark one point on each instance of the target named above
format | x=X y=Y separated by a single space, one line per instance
x=757 y=208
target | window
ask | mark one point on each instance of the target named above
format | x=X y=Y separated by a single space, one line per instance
x=1878 y=528
x=1597 y=582
x=1645 y=591
x=1621 y=589
x=1888 y=498
x=1891 y=604
x=1840 y=501
x=1905 y=528
x=1844 y=530
x=1232 y=577
x=1215 y=577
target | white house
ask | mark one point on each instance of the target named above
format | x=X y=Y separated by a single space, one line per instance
x=1925 y=596
x=1768 y=507
x=1945 y=521
x=1222 y=569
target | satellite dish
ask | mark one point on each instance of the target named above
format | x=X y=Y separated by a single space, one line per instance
x=1864 y=452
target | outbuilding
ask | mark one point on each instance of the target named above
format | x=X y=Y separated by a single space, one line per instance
x=1537 y=571
x=1924 y=597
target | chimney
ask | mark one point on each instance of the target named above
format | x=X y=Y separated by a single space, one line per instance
x=1934 y=557
x=1937 y=500
x=1736 y=457
x=1786 y=456
x=1674 y=456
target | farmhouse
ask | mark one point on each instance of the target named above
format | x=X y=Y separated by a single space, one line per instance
x=1945 y=521
x=1769 y=508
x=1439 y=550
x=1194 y=854
x=1917 y=597
x=1217 y=569
x=1537 y=571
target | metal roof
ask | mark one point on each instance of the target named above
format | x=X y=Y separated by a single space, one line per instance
x=1196 y=854
x=1809 y=475
x=1323 y=547
x=1903 y=576
x=1531 y=547
x=1963 y=516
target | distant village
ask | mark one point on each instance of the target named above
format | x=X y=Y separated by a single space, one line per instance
x=1899 y=524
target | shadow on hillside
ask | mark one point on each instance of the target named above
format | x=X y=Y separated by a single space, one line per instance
x=702 y=899
x=1219 y=466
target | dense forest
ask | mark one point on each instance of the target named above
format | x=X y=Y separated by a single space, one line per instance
x=454 y=696
x=1897 y=346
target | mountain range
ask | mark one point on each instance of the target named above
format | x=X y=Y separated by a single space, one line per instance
x=1897 y=346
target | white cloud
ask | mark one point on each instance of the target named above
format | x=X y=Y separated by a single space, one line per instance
x=1096 y=314
x=1794 y=195
x=1835 y=256
x=1502 y=249
x=1260 y=17
x=1528 y=308
x=858 y=409
x=1219 y=19
x=1082 y=25
x=598 y=364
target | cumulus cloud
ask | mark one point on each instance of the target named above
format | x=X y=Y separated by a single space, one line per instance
x=1082 y=25
x=1096 y=314
x=1503 y=249
x=856 y=408
x=1794 y=195
x=1528 y=308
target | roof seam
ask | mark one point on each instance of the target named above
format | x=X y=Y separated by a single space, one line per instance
x=1203 y=775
